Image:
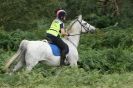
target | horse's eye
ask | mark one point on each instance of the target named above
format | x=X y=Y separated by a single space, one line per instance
x=85 y=23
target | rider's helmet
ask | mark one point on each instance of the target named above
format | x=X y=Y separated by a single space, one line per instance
x=60 y=14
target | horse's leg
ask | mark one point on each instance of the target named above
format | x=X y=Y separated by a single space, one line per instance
x=19 y=65
x=73 y=58
x=73 y=61
x=73 y=64
x=30 y=65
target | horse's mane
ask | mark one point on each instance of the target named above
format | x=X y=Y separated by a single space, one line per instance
x=70 y=25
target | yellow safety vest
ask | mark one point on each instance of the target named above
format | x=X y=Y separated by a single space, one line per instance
x=55 y=28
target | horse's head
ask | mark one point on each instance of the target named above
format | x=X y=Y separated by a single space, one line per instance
x=79 y=26
x=76 y=28
x=85 y=27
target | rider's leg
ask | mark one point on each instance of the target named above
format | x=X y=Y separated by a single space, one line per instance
x=62 y=58
x=62 y=45
x=63 y=54
x=64 y=50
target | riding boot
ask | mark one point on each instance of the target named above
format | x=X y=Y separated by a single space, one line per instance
x=62 y=59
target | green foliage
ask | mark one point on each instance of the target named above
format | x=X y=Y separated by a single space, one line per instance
x=25 y=14
x=110 y=60
x=127 y=13
x=109 y=38
x=65 y=78
x=103 y=62
x=11 y=40
x=120 y=38
x=109 y=50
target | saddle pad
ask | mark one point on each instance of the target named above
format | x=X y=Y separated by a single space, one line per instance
x=55 y=49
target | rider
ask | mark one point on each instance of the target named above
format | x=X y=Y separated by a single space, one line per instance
x=56 y=31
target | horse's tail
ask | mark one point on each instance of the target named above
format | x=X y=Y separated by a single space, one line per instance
x=18 y=55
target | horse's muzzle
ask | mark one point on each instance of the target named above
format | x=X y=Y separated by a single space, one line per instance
x=92 y=31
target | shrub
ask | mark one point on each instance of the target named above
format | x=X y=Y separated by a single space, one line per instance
x=110 y=60
x=108 y=50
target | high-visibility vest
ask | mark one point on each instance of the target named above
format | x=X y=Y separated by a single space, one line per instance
x=55 y=28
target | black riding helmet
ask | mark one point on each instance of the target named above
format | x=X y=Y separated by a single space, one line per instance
x=61 y=14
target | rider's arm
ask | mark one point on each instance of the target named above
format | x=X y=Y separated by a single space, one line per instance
x=63 y=32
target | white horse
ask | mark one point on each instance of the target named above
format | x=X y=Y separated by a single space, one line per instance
x=31 y=52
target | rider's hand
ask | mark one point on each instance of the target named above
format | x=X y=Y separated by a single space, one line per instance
x=64 y=33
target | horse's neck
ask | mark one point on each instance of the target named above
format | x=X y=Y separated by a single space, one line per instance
x=74 y=40
x=75 y=30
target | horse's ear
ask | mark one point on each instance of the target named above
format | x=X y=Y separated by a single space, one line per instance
x=80 y=17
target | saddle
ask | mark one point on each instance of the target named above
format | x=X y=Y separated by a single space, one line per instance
x=55 y=49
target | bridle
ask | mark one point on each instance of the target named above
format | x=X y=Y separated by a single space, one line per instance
x=86 y=28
